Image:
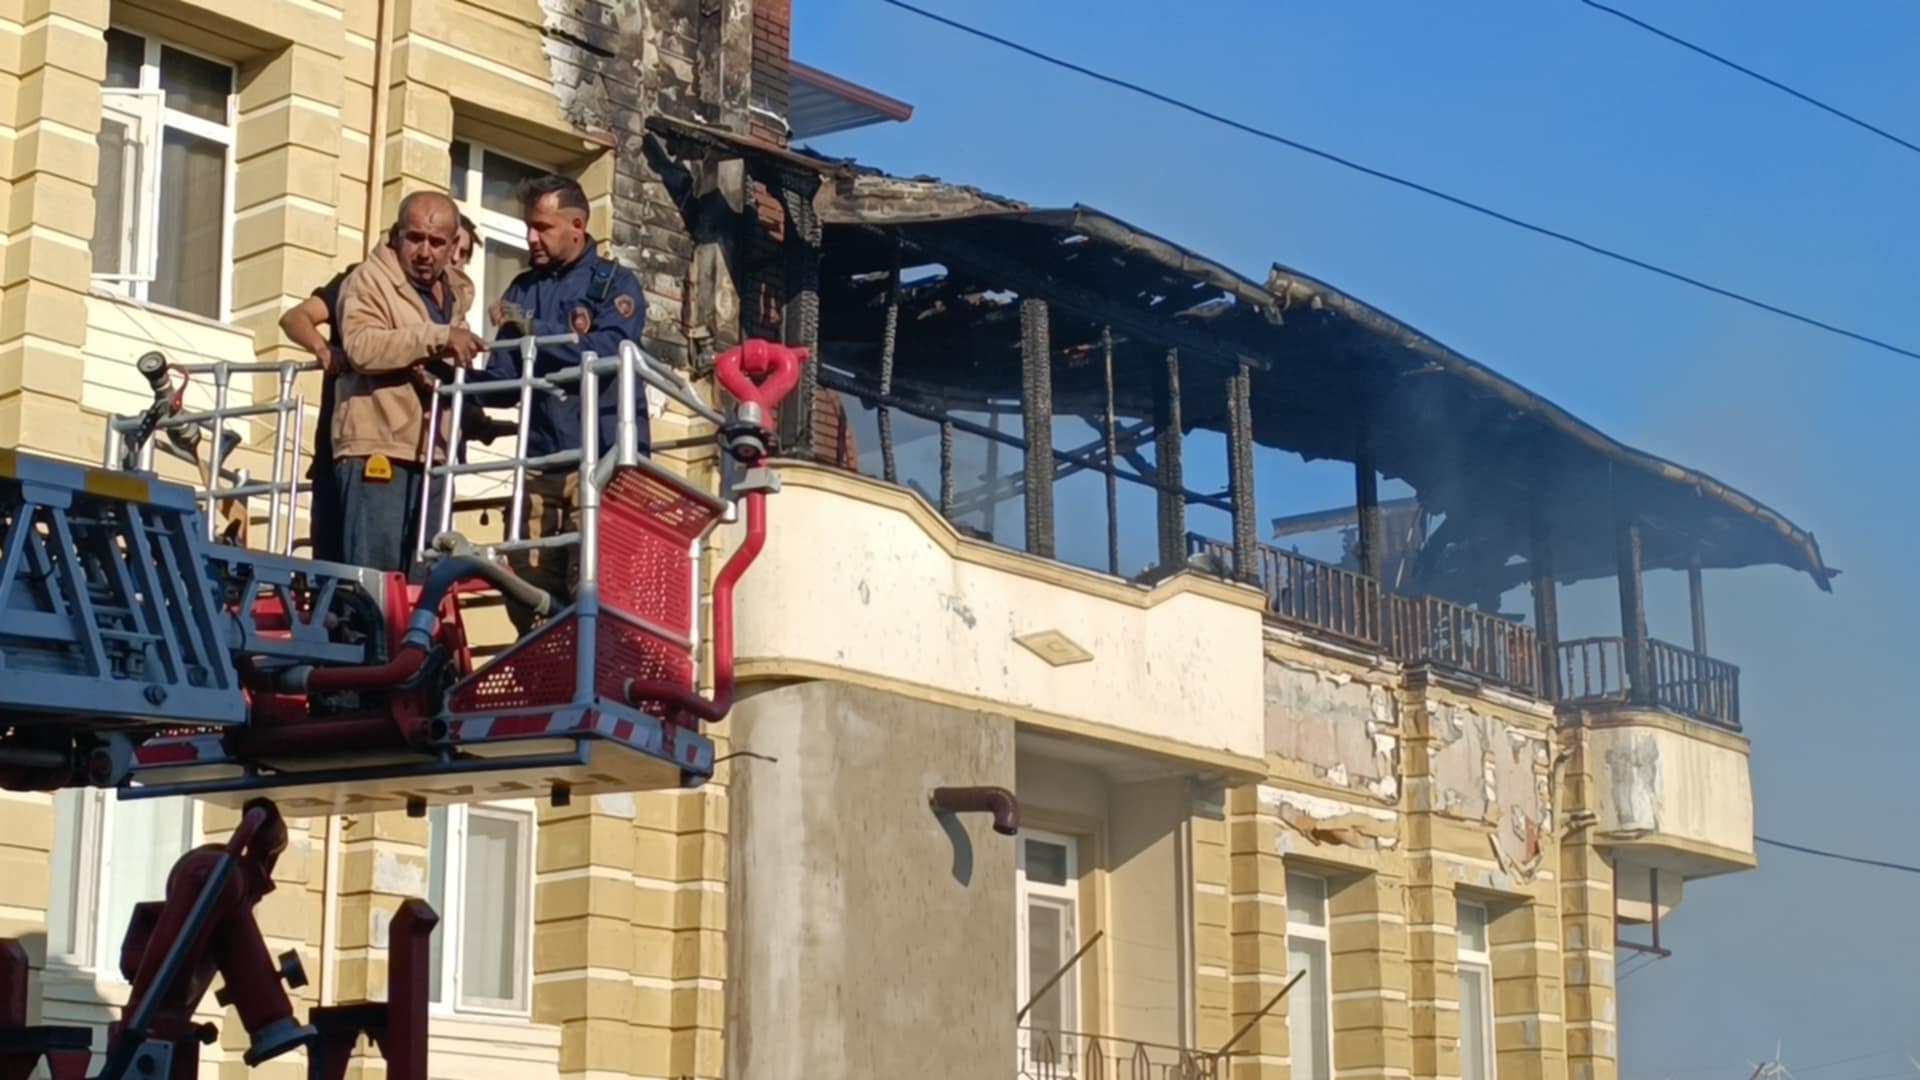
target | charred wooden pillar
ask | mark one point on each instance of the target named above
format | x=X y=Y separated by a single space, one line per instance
x=1697 y=600
x=1113 y=461
x=1166 y=456
x=1366 y=502
x=1546 y=600
x=1633 y=615
x=888 y=338
x=1246 y=559
x=802 y=310
x=1036 y=422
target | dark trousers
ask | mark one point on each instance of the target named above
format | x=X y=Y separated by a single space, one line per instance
x=380 y=519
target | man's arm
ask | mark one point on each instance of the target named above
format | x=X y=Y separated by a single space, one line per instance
x=302 y=324
x=620 y=316
x=376 y=348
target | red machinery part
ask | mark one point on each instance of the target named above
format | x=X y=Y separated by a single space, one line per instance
x=760 y=372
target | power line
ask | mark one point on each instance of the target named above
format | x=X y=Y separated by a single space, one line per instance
x=1836 y=855
x=1752 y=74
x=1378 y=174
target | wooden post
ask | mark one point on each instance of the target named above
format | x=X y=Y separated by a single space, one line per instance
x=1697 y=595
x=1166 y=456
x=802 y=311
x=1366 y=500
x=1633 y=615
x=889 y=335
x=1113 y=462
x=1246 y=555
x=1036 y=423
x=1546 y=600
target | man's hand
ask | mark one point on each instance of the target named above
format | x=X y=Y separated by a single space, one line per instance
x=463 y=344
x=324 y=354
x=496 y=312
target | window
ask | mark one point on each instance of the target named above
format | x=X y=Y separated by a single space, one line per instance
x=108 y=855
x=1309 y=1003
x=486 y=184
x=1476 y=994
x=163 y=207
x=480 y=880
x=1048 y=888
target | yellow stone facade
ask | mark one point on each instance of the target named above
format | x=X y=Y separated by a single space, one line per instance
x=619 y=962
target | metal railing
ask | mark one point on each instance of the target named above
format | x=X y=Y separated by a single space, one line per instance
x=1426 y=628
x=1070 y=1055
x=1595 y=669
x=1309 y=593
x=184 y=439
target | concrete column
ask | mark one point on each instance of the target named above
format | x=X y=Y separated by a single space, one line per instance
x=587 y=957
x=1372 y=1026
x=26 y=880
x=1258 y=898
x=383 y=861
x=1433 y=990
x=1212 y=924
x=1586 y=927
x=50 y=101
x=867 y=936
x=1527 y=992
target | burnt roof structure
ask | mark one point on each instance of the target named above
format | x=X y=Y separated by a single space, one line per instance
x=1331 y=376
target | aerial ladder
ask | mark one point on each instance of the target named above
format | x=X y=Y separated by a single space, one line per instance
x=146 y=650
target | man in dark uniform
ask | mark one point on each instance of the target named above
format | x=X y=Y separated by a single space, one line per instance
x=568 y=287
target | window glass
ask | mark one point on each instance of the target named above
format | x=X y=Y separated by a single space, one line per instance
x=125 y=53
x=1473 y=927
x=145 y=837
x=461 y=152
x=500 y=180
x=1046 y=933
x=115 y=200
x=1476 y=1057
x=437 y=841
x=1307 y=1015
x=193 y=173
x=195 y=86
x=1046 y=863
x=491 y=937
x=1306 y=900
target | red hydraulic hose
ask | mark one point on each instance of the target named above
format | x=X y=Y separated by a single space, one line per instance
x=403 y=665
x=682 y=697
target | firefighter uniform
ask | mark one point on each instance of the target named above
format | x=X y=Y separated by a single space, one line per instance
x=602 y=302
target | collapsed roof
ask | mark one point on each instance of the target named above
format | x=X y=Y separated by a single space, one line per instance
x=1332 y=376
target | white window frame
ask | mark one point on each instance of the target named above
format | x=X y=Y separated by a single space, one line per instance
x=1065 y=898
x=1482 y=961
x=452 y=929
x=93 y=811
x=139 y=286
x=495 y=225
x=1321 y=938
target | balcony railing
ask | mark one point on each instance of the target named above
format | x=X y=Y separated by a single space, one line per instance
x=1327 y=599
x=1595 y=669
x=1309 y=593
x=1070 y=1055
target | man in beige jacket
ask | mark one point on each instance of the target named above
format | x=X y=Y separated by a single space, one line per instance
x=400 y=310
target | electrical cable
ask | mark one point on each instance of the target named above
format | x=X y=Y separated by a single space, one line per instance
x=1378 y=174
x=1836 y=855
x=1752 y=74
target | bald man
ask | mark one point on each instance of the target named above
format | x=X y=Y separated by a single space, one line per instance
x=400 y=311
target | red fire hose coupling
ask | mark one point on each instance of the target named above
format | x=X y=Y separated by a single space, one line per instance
x=758 y=373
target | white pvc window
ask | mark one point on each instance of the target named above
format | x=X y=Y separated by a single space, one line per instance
x=486 y=185
x=110 y=854
x=1049 y=895
x=163 y=204
x=1310 y=1002
x=480 y=881
x=1476 y=994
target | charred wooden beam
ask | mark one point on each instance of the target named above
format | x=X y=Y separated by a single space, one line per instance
x=888 y=338
x=946 y=469
x=1036 y=420
x=1246 y=561
x=1697 y=601
x=1113 y=451
x=1366 y=504
x=1546 y=598
x=988 y=265
x=1633 y=613
x=1166 y=454
x=1067 y=463
x=802 y=310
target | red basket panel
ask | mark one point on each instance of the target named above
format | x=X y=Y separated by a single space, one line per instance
x=628 y=652
x=646 y=528
x=538 y=672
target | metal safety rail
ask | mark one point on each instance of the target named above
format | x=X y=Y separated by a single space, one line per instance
x=132 y=441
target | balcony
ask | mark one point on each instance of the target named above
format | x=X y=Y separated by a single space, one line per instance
x=1351 y=608
x=1594 y=670
x=1068 y=1055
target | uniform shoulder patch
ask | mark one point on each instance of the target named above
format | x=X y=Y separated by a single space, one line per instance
x=624 y=305
x=581 y=320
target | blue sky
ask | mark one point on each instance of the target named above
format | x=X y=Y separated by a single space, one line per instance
x=1563 y=115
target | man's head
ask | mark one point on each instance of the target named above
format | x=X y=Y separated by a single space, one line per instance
x=423 y=235
x=556 y=216
x=463 y=243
